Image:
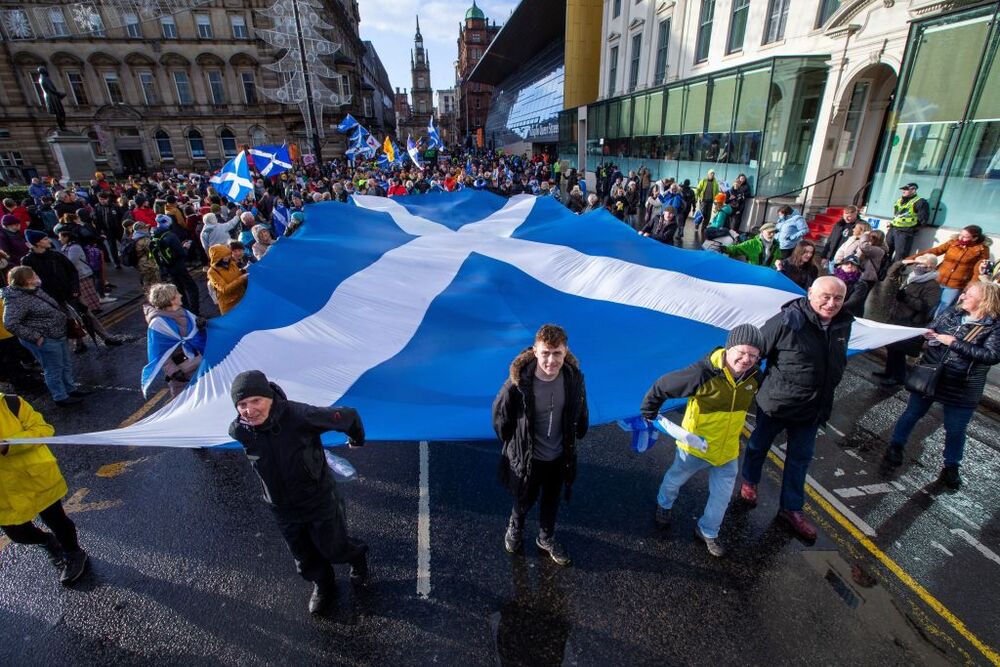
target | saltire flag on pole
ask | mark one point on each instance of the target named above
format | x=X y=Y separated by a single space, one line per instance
x=347 y=124
x=271 y=160
x=411 y=310
x=433 y=138
x=413 y=152
x=233 y=181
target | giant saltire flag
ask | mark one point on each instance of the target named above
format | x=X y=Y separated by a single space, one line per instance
x=271 y=160
x=411 y=310
x=233 y=180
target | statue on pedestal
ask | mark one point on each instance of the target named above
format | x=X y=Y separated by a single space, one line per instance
x=53 y=98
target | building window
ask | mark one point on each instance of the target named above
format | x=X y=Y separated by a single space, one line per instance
x=77 y=88
x=420 y=79
x=58 y=22
x=148 y=85
x=616 y=8
x=183 y=86
x=476 y=37
x=249 y=87
x=90 y=21
x=369 y=107
x=96 y=148
x=11 y=163
x=704 y=30
x=204 y=23
x=258 y=136
x=777 y=16
x=216 y=86
x=132 y=26
x=661 y=51
x=163 y=146
x=196 y=144
x=827 y=8
x=228 y=141
x=738 y=26
x=853 y=124
x=239 y=25
x=633 y=67
x=168 y=27
x=114 y=86
x=39 y=96
x=612 y=70
x=345 y=87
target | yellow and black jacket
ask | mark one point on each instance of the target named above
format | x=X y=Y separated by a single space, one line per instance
x=717 y=404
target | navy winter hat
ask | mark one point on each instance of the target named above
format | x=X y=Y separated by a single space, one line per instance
x=745 y=334
x=33 y=236
x=9 y=219
x=250 y=383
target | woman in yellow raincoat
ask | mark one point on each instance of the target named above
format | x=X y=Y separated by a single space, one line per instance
x=31 y=485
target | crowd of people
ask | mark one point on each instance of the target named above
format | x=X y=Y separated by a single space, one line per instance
x=60 y=245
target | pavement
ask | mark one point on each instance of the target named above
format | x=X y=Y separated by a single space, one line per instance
x=188 y=567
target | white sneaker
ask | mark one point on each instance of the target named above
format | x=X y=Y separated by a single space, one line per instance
x=108 y=299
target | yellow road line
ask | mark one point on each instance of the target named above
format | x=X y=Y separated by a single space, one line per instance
x=141 y=412
x=897 y=570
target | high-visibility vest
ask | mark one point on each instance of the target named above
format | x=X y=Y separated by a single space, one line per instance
x=904 y=214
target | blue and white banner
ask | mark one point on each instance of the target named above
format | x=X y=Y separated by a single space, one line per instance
x=411 y=310
x=348 y=124
x=271 y=160
x=233 y=181
x=433 y=138
x=413 y=152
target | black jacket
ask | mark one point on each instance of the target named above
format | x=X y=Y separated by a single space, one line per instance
x=840 y=232
x=512 y=421
x=60 y=279
x=287 y=454
x=857 y=294
x=170 y=253
x=804 y=363
x=914 y=303
x=966 y=363
x=108 y=219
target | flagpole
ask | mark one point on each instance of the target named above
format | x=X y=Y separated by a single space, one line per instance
x=311 y=131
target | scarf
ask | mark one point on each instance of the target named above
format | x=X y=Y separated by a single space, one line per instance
x=849 y=278
x=915 y=277
x=163 y=338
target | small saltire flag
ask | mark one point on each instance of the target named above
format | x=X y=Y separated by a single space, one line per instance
x=433 y=138
x=413 y=152
x=271 y=160
x=233 y=181
x=390 y=150
x=347 y=124
x=643 y=432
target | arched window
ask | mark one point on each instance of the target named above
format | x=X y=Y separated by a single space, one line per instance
x=96 y=148
x=163 y=146
x=258 y=136
x=228 y=141
x=196 y=144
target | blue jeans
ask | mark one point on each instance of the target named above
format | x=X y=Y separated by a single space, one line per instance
x=956 y=421
x=721 y=480
x=798 y=455
x=948 y=297
x=57 y=365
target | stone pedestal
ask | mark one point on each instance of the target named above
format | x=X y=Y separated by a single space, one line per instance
x=76 y=160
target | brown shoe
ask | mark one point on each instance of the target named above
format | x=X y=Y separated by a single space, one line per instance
x=799 y=523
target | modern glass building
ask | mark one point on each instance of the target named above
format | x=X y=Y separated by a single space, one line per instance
x=944 y=130
x=525 y=107
x=758 y=119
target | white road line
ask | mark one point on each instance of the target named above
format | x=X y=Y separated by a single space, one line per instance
x=980 y=547
x=836 y=430
x=940 y=547
x=424 y=527
x=858 y=522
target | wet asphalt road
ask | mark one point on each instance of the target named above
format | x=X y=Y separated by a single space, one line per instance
x=189 y=568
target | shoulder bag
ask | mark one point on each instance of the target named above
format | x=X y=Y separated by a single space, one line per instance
x=922 y=378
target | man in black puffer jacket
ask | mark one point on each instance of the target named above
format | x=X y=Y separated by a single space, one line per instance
x=282 y=440
x=806 y=352
x=538 y=416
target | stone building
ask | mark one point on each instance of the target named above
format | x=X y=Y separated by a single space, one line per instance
x=447 y=116
x=473 y=97
x=421 y=104
x=166 y=90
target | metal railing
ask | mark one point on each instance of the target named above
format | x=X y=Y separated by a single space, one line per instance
x=829 y=197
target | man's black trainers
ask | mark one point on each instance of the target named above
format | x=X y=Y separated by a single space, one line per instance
x=360 y=572
x=950 y=477
x=74 y=563
x=513 y=540
x=893 y=456
x=323 y=595
x=555 y=551
x=53 y=550
x=662 y=517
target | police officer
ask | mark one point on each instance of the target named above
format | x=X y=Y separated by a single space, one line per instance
x=909 y=213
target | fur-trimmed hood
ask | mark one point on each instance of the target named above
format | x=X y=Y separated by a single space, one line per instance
x=522 y=364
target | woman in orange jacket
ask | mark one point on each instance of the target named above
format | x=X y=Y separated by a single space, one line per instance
x=962 y=256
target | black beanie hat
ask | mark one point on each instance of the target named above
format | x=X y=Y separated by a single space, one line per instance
x=745 y=334
x=250 y=383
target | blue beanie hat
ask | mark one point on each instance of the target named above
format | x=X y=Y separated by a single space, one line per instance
x=33 y=236
x=163 y=220
x=9 y=219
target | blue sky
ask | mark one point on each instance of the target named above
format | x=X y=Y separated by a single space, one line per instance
x=390 y=25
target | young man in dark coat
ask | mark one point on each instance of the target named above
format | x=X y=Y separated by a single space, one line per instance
x=805 y=346
x=538 y=416
x=282 y=440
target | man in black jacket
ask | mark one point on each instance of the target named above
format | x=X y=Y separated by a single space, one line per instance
x=805 y=346
x=839 y=233
x=60 y=279
x=170 y=255
x=108 y=220
x=538 y=416
x=282 y=440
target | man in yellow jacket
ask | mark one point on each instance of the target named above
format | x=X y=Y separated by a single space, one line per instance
x=720 y=388
x=31 y=485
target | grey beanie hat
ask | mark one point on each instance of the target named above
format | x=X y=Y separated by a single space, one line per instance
x=745 y=334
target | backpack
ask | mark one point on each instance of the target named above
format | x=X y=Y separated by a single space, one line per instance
x=127 y=253
x=160 y=252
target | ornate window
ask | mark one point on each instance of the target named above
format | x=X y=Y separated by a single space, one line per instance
x=183 y=86
x=168 y=27
x=228 y=142
x=249 y=87
x=204 y=23
x=216 y=86
x=163 y=146
x=239 y=25
x=196 y=144
x=147 y=82
x=77 y=87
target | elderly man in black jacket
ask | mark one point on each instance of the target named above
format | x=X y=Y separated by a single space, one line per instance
x=805 y=346
x=538 y=416
x=282 y=440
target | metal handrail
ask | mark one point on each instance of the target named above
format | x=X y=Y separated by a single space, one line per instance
x=863 y=190
x=829 y=198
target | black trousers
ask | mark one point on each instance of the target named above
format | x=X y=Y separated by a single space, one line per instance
x=55 y=518
x=188 y=289
x=546 y=480
x=899 y=242
x=316 y=544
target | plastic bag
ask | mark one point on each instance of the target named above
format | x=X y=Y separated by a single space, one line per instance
x=342 y=469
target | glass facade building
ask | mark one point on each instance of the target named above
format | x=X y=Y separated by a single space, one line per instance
x=944 y=129
x=526 y=106
x=758 y=119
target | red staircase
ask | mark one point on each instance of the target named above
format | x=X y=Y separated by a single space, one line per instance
x=819 y=226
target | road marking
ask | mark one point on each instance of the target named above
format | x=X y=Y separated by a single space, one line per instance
x=980 y=547
x=141 y=412
x=940 y=547
x=895 y=568
x=836 y=430
x=114 y=469
x=424 y=527
x=75 y=504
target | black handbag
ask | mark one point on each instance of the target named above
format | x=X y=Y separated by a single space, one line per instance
x=922 y=377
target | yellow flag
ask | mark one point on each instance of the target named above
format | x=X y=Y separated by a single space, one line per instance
x=389 y=152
